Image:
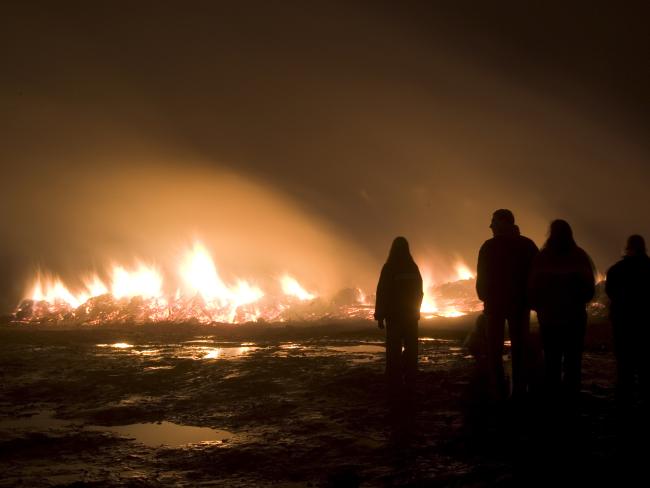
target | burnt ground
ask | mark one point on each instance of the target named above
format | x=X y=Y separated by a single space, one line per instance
x=306 y=406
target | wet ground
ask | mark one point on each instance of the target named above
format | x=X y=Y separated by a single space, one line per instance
x=281 y=406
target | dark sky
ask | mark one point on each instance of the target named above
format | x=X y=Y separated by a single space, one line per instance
x=316 y=131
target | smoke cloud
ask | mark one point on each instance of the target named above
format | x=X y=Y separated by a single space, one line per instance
x=304 y=138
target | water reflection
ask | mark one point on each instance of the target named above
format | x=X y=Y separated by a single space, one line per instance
x=187 y=350
x=149 y=434
x=117 y=345
x=158 y=355
x=227 y=352
x=360 y=348
x=167 y=434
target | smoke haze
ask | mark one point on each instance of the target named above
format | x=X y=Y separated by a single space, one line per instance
x=303 y=138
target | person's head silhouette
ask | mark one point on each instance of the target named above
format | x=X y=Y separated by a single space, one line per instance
x=399 y=251
x=560 y=237
x=635 y=246
x=503 y=222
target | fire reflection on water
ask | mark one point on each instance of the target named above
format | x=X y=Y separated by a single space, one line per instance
x=164 y=356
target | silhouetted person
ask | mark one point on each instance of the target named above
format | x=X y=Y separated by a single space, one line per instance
x=561 y=284
x=502 y=274
x=399 y=296
x=628 y=288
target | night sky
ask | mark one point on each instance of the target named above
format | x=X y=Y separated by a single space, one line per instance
x=306 y=135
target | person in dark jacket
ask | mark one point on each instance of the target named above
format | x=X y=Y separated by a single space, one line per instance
x=502 y=275
x=561 y=284
x=399 y=296
x=628 y=288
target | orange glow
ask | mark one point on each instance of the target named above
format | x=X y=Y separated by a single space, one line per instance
x=200 y=293
x=145 y=282
x=291 y=287
x=463 y=272
x=53 y=291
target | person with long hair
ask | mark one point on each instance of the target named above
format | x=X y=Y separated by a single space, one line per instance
x=561 y=285
x=628 y=288
x=397 y=308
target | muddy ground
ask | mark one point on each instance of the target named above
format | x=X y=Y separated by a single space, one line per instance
x=291 y=405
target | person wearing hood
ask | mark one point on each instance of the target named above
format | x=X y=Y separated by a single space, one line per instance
x=397 y=308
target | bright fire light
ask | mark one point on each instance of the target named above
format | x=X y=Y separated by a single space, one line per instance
x=291 y=287
x=200 y=275
x=463 y=272
x=53 y=291
x=137 y=294
x=145 y=282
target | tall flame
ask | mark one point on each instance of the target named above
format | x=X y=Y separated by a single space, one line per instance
x=463 y=272
x=52 y=290
x=203 y=295
x=200 y=275
x=291 y=287
x=145 y=282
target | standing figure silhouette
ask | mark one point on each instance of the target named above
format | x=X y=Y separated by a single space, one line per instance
x=502 y=274
x=399 y=296
x=628 y=288
x=561 y=284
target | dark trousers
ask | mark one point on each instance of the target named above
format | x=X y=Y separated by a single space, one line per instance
x=631 y=337
x=563 y=337
x=401 y=351
x=519 y=330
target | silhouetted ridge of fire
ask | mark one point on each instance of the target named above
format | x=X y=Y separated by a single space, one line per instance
x=138 y=296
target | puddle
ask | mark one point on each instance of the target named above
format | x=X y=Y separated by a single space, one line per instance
x=226 y=352
x=149 y=434
x=363 y=348
x=117 y=345
x=166 y=434
x=433 y=339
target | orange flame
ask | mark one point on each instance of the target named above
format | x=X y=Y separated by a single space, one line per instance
x=205 y=296
x=291 y=287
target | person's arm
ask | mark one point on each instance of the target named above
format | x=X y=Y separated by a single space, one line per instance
x=589 y=278
x=531 y=285
x=380 y=298
x=533 y=292
x=612 y=288
x=481 y=274
x=421 y=294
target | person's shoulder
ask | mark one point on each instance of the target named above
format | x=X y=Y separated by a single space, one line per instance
x=491 y=242
x=582 y=254
x=616 y=267
x=527 y=242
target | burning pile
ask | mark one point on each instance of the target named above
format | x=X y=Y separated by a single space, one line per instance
x=138 y=296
